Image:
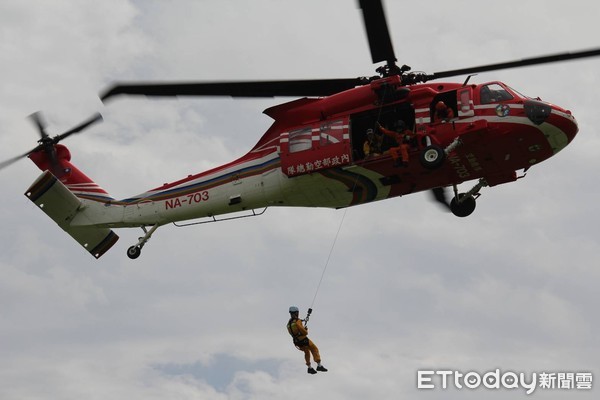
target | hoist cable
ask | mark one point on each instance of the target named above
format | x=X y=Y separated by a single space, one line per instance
x=339 y=228
x=329 y=257
x=333 y=245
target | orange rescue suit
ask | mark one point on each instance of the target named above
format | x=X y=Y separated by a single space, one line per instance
x=401 y=151
x=301 y=341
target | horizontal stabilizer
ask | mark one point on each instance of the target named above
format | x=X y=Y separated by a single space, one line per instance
x=53 y=198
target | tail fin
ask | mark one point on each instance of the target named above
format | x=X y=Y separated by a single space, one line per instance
x=71 y=177
x=60 y=204
x=60 y=191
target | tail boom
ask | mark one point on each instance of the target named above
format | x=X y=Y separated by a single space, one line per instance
x=62 y=205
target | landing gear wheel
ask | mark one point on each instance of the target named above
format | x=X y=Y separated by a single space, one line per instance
x=465 y=207
x=432 y=157
x=134 y=252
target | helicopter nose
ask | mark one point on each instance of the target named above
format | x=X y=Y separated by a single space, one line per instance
x=560 y=127
x=539 y=112
x=572 y=128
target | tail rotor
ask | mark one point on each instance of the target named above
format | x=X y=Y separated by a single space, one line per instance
x=46 y=142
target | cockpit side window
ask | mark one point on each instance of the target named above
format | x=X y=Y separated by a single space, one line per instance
x=493 y=93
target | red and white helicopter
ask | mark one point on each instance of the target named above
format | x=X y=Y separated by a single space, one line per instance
x=325 y=149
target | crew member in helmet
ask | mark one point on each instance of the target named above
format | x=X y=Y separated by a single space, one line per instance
x=443 y=113
x=372 y=145
x=299 y=334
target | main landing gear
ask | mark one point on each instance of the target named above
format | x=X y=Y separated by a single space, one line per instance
x=433 y=156
x=134 y=251
x=463 y=204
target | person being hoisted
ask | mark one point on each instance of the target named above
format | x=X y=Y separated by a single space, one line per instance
x=299 y=333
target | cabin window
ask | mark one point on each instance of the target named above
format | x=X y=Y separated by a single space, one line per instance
x=465 y=103
x=331 y=132
x=493 y=93
x=300 y=140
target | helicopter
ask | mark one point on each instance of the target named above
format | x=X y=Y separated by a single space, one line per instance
x=313 y=155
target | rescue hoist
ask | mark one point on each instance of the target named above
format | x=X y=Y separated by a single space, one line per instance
x=307 y=317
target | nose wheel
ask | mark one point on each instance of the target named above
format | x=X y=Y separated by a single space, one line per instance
x=136 y=250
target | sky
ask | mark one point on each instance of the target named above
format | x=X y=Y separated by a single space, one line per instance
x=202 y=313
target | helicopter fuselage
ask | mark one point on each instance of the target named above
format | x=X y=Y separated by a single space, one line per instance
x=314 y=154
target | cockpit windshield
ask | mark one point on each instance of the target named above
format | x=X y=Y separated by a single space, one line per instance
x=518 y=93
x=493 y=93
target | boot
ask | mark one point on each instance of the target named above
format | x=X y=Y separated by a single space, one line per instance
x=321 y=368
x=311 y=370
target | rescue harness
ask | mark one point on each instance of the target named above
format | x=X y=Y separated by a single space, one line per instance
x=300 y=340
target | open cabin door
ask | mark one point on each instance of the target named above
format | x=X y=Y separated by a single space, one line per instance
x=459 y=100
x=315 y=147
x=387 y=116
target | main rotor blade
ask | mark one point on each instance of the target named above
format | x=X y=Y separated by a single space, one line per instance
x=518 y=63
x=378 y=34
x=439 y=195
x=300 y=88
